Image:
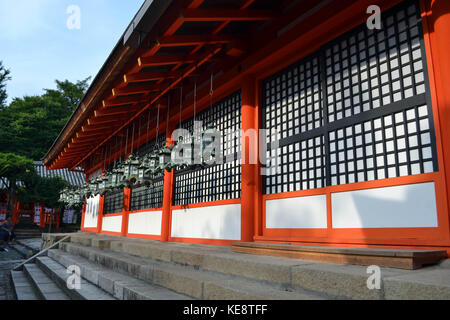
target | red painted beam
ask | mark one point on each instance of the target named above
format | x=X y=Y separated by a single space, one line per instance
x=187 y=72
x=125 y=91
x=89 y=133
x=108 y=112
x=113 y=101
x=193 y=40
x=166 y=60
x=89 y=128
x=194 y=15
x=150 y=76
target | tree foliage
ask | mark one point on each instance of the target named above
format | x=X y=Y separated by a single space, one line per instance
x=42 y=190
x=28 y=128
x=4 y=77
x=14 y=168
x=30 y=125
x=34 y=188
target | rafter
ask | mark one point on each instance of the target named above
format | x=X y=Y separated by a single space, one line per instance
x=187 y=72
x=148 y=76
x=89 y=133
x=194 y=15
x=97 y=127
x=108 y=112
x=192 y=40
x=115 y=101
x=103 y=121
x=124 y=91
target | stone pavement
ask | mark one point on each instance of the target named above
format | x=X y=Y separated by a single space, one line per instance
x=9 y=260
x=6 y=291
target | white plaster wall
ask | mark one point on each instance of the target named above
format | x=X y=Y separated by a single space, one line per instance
x=406 y=206
x=112 y=224
x=91 y=212
x=214 y=222
x=146 y=223
x=297 y=213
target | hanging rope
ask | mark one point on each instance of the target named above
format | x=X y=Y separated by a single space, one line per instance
x=167 y=120
x=181 y=101
x=110 y=153
x=132 y=139
x=115 y=158
x=126 y=147
x=211 y=91
x=148 y=126
x=195 y=100
x=139 y=132
x=157 y=128
x=121 y=145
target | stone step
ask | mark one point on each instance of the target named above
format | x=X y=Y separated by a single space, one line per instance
x=210 y=258
x=188 y=280
x=121 y=286
x=22 y=250
x=45 y=287
x=58 y=273
x=36 y=234
x=335 y=280
x=32 y=244
x=22 y=286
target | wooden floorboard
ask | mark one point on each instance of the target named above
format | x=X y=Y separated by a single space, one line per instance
x=392 y=258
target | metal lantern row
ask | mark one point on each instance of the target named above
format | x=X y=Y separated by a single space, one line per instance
x=134 y=171
x=71 y=197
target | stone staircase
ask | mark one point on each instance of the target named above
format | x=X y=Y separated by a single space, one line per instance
x=25 y=229
x=134 y=269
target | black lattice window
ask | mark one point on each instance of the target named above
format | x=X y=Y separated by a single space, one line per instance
x=386 y=147
x=293 y=99
x=113 y=202
x=218 y=181
x=147 y=197
x=367 y=69
x=149 y=147
x=224 y=116
x=377 y=121
x=302 y=166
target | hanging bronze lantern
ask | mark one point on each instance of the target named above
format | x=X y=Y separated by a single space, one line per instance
x=93 y=187
x=165 y=159
x=133 y=165
x=153 y=162
x=117 y=175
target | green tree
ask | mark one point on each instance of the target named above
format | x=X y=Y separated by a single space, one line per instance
x=42 y=190
x=29 y=125
x=14 y=168
x=68 y=94
x=4 y=77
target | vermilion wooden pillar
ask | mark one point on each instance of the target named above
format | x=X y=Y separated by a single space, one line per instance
x=15 y=217
x=438 y=28
x=101 y=202
x=250 y=185
x=167 y=205
x=83 y=211
x=167 y=196
x=42 y=218
x=126 y=210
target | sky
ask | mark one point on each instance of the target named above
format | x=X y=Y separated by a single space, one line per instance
x=45 y=40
